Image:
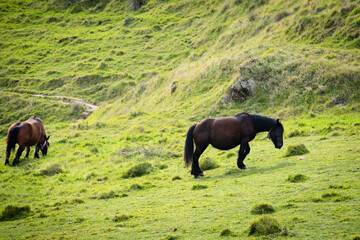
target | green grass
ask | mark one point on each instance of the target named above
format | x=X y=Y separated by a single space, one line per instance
x=223 y=199
x=154 y=72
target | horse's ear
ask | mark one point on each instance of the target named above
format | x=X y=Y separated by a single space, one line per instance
x=48 y=137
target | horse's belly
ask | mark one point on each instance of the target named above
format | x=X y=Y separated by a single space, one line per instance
x=225 y=144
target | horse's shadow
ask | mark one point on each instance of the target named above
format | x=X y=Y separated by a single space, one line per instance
x=238 y=173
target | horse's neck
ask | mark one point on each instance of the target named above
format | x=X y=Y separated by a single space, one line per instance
x=262 y=123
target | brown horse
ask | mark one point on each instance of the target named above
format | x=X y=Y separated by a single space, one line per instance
x=225 y=133
x=26 y=134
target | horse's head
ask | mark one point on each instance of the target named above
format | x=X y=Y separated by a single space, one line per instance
x=276 y=134
x=45 y=146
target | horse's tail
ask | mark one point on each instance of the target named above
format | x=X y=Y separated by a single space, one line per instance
x=12 y=138
x=189 y=146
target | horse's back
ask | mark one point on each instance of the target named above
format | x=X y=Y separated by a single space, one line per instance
x=225 y=132
x=37 y=129
x=31 y=131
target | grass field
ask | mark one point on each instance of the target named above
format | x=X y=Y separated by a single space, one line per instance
x=90 y=198
x=154 y=68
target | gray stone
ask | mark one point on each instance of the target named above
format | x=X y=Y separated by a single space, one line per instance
x=240 y=91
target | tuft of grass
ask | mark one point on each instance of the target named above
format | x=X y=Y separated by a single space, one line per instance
x=171 y=237
x=298 y=177
x=108 y=195
x=357 y=237
x=122 y=218
x=199 y=187
x=262 y=208
x=177 y=177
x=51 y=170
x=264 y=225
x=135 y=187
x=79 y=220
x=225 y=232
x=295 y=150
x=14 y=212
x=77 y=200
x=208 y=164
x=138 y=170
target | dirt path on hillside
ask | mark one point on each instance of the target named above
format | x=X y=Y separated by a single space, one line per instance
x=90 y=108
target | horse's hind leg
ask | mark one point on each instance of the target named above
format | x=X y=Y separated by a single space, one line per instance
x=243 y=152
x=27 y=152
x=18 y=154
x=7 y=156
x=195 y=168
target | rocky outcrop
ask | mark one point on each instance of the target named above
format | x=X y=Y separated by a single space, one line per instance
x=240 y=91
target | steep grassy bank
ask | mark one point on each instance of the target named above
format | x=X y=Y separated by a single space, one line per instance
x=99 y=50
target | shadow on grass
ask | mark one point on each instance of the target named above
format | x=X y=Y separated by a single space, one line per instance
x=236 y=172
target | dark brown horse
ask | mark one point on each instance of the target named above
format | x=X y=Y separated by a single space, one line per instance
x=225 y=133
x=26 y=134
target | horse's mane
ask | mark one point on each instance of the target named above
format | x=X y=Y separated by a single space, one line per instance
x=262 y=123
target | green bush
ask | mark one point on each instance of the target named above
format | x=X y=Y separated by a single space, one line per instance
x=108 y=195
x=138 y=170
x=296 y=178
x=294 y=150
x=13 y=212
x=208 y=164
x=264 y=225
x=51 y=170
x=225 y=232
x=262 y=208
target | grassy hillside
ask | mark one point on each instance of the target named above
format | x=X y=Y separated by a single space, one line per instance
x=155 y=68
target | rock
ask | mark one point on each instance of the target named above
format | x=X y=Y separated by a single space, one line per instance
x=240 y=91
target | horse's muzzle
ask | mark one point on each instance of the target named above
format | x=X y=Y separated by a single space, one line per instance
x=279 y=146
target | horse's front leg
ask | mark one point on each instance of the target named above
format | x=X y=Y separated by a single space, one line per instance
x=243 y=152
x=37 y=149
x=18 y=154
x=27 y=152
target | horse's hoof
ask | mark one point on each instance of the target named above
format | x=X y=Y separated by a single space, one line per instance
x=199 y=176
x=243 y=167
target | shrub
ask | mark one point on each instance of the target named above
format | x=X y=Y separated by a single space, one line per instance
x=296 y=178
x=13 y=212
x=51 y=170
x=294 y=150
x=208 y=164
x=262 y=208
x=225 y=232
x=177 y=177
x=108 y=195
x=136 y=187
x=138 y=170
x=264 y=225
